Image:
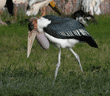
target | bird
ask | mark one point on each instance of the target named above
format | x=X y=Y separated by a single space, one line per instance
x=81 y=16
x=34 y=6
x=64 y=32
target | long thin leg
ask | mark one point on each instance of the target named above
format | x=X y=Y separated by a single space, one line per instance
x=58 y=65
x=77 y=57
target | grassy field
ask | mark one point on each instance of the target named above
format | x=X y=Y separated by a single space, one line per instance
x=34 y=76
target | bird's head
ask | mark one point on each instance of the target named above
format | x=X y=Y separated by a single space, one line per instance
x=34 y=33
x=82 y=21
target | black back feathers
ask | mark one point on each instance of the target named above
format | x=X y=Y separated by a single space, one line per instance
x=10 y=6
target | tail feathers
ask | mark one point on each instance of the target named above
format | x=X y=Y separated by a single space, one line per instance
x=10 y=6
x=91 y=42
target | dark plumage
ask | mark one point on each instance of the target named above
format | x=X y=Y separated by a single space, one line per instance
x=81 y=13
x=66 y=28
x=10 y=6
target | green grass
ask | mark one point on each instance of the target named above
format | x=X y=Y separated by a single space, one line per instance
x=34 y=76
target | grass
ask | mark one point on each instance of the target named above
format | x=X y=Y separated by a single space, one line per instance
x=34 y=76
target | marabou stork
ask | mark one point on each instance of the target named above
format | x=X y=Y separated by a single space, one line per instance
x=64 y=32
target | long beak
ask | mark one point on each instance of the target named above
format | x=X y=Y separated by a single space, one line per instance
x=42 y=40
x=40 y=36
x=31 y=37
x=81 y=20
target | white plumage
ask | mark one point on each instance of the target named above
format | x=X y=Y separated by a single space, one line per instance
x=35 y=5
x=42 y=22
x=92 y=6
x=63 y=43
x=32 y=8
x=2 y=3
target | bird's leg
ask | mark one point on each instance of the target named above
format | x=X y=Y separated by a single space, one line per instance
x=77 y=57
x=58 y=64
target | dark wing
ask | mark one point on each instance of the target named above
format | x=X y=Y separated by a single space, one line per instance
x=56 y=19
x=68 y=29
x=10 y=6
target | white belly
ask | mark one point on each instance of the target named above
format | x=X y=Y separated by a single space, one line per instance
x=62 y=42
